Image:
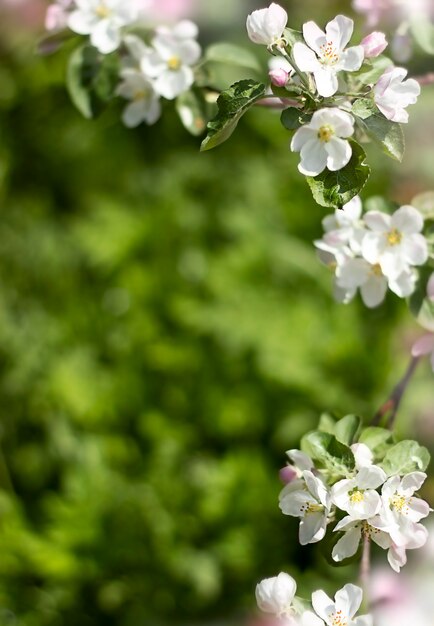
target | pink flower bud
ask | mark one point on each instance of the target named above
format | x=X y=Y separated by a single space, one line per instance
x=278 y=77
x=430 y=287
x=374 y=44
x=287 y=474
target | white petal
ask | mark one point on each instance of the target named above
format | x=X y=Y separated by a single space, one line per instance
x=404 y=284
x=397 y=557
x=352 y=209
x=364 y=620
x=189 y=52
x=392 y=262
x=313 y=158
x=322 y=604
x=415 y=249
x=339 y=31
x=339 y=153
x=348 y=600
x=373 y=247
x=347 y=545
x=133 y=114
x=82 y=22
x=305 y=58
x=185 y=29
x=346 y=523
x=339 y=492
x=352 y=273
x=351 y=59
x=105 y=36
x=362 y=455
x=312 y=528
x=374 y=291
x=326 y=81
x=314 y=36
x=370 y=477
x=407 y=220
x=377 y=221
x=418 y=509
x=301 y=460
x=302 y=136
x=172 y=83
x=310 y=619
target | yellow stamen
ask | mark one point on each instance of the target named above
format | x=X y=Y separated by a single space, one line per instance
x=102 y=11
x=328 y=54
x=399 y=503
x=174 y=63
x=394 y=237
x=338 y=619
x=325 y=133
x=356 y=496
x=376 y=270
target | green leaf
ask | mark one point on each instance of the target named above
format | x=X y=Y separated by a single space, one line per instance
x=406 y=456
x=232 y=55
x=371 y=70
x=325 y=448
x=388 y=134
x=347 y=428
x=91 y=79
x=420 y=305
x=292 y=118
x=377 y=439
x=192 y=110
x=334 y=189
x=293 y=36
x=232 y=104
x=423 y=33
x=327 y=423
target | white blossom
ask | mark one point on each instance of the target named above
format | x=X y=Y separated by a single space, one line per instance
x=395 y=241
x=341 y=611
x=325 y=54
x=363 y=455
x=275 y=595
x=145 y=102
x=323 y=141
x=345 y=227
x=309 y=499
x=170 y=62
x=374 y=44
x=103 y=21
x=353 y=531
x=393 y=94
x=266 y=26
x=357 y=496
x=397 y=555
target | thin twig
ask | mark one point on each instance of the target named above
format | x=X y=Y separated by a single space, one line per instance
x=392 y=404
x=365 y=570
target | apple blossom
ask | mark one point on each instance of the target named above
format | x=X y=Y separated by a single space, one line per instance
x=300 y=462
x=57 y=14
x=345 y=226
x=353 y=531
x=395 y=241
x=393 y=94
x=374 y=44
x=397 y=555
x=362 y=455
x=307 y=498
x=170 y=62
x=325 y=55
x=275 y=595
x=266 y=26
x=280 y=71
x=342 y=610
x=357 y=496
x=145 y=102
x=323 y=141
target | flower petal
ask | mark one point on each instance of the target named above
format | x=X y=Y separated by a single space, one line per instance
x=407 y=220
x=314 y=36
x=374 y=291
x=323 y=605
x=347 y=545
x=305 y=58
x=424 y=345
x=339 y=31
x=313 y=158
x=325 y=80
x=370 y=477
x=415 y=249
x=351 y=59
x=348 y=600
x=339 y=153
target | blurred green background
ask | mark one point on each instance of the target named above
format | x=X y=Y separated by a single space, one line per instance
x=166 y=333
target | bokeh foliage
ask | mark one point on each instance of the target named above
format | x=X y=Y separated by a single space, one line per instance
x=166 y=332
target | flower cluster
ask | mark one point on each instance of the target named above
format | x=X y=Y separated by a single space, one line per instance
x=329 y=71
x=373 y=252
x=276 y=596
x=368 y=504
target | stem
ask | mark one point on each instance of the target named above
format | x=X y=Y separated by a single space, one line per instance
x=365 y=570
x=302 y=77
x=392 y=404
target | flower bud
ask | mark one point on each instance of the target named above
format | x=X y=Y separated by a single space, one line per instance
x=374 y=44
x=275 y=595
x=287 y=474
x=266 y=26
x=278 y=77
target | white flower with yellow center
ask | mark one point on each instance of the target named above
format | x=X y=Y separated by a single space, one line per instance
x=145 y=102
x=401 y=510
x=170 y=63
x=395 y=241
x=266 y=26
x=103 y=21
x=354 y=531
x=323 y=141
x=307 y=498
x=275 y=595
x=357 y=496
x=325 y=54
x=345 y=226
x=397 y=555
x=340 y=612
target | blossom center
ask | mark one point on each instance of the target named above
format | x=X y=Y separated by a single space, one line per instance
x=102 y=11
x=328 y=53
x=174 y=63
x=376 y=270
x=394 y=237
x=399 y=504
x=140 y=95
x=338 y=619
x=356 y=496
x=325 y=133
x=311 y=507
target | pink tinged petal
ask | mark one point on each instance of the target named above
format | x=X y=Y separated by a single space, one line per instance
x=418 y=538
x=349 y=599
x=287 y=474
x=347 y=545
x=415 y=249
x=408 y=220
x=339 y=31
x=374 y=291
x=323 y=605
x=351 y=59
x=314 y=36
x=404 y=284
x=313 y=158
x=418 y=509
x=305 y=58
x=339 y=153
x=377 y=221
x=302 y=136
x=412 y=482
x=312 y=528
x=397 y=557
x=374 y=44
x=423 y=346
x=326 y=81
x=370 y=477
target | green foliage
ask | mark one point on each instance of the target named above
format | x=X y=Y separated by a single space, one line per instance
x=232 y=104
x=334 y=189
x=292 y=118
x=379 y=440
x=328 y=452
x=193 y=111
x=371 y=70
x=404 y=457
x=423 y=33
x=386 y=133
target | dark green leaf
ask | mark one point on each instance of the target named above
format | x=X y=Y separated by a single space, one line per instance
x=347 y=428
x=404 y=457
x=192 y=110
x=334 y=189
x=388 y=134
x=292 y=118
x=325 y=448
x=232 y=104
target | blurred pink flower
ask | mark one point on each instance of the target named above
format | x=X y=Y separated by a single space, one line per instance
x=168 y=10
